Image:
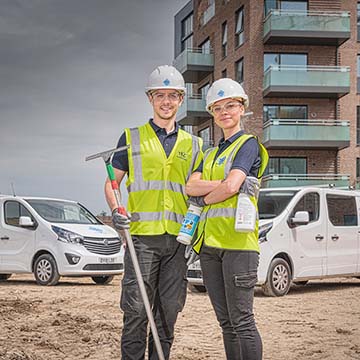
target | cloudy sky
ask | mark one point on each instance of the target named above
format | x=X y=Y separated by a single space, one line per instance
x=72 y=77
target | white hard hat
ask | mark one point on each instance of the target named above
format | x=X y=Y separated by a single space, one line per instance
x=165 y=77
x=225 y=89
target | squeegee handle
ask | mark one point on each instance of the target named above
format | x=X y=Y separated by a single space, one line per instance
x=115 y=187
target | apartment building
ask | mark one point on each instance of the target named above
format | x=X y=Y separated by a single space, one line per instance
x=299 y=62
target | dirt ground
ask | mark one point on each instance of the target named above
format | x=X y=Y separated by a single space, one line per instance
x=80 y=320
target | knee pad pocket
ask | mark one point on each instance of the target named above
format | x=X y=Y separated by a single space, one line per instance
x=246 y=280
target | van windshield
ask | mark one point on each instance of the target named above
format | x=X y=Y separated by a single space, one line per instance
x=272 y=203
x=57 y=211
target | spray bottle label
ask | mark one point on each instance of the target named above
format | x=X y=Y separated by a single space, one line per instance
x=189 y=224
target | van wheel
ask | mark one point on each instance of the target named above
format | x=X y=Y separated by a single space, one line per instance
x=45 y=270
x=102 y=280
x=4 y=277
x=197 y=288
x=301 y=282
x=279 y=278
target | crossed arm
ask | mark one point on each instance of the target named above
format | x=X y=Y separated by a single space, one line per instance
x=215 y=191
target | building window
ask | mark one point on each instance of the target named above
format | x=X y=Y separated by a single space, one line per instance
x=239 y=71
x=187 y=33
x=205 y=134
x=206 y=47
x=224 y=39
x=187 y=128
x=286 y=5
x=224 y=73
x=189 y=89
x=279 y=165
x=272 y=59
x=358 y=125
x=357 y=169
x=358 y=21
x=203 y=90
x=358 y=74
x=298 y=112
x=239 y=28
x=208 y=13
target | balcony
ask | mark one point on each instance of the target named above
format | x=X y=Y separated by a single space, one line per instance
x=285 y=180
x=306 y=134
x=195 y=64
x=306 y=27
x=192 y=111
x=306 y=81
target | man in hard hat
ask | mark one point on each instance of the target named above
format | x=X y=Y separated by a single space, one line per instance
x=158 y=163
x=229 y=255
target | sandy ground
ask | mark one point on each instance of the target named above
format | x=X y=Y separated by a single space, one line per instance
x=80 y=320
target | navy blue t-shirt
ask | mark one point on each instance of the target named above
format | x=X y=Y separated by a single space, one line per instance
x=120 y=159
x=247 y=159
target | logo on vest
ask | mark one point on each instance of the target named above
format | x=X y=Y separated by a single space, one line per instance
x=221 y=160
x=182 y=155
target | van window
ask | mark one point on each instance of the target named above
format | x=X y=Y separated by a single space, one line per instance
x=310 y=202
x=13 y=210
x=58 y=211
x=272 y=203
x=342 y=210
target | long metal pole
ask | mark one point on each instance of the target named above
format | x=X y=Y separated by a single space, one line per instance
x=115 y=187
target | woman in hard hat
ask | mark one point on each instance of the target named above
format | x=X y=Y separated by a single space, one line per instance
x=229 y=257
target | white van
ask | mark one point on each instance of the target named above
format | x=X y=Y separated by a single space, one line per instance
x=305 y=233
x=53 y=238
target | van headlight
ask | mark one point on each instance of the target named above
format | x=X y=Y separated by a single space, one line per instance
x=67 y=236
x=263 y=230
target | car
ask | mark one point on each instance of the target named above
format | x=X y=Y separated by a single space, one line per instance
x=54 y=237
x=305 y=233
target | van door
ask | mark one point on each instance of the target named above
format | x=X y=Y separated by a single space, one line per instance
x=342 y=239
x=17 y=244
x=309 y=241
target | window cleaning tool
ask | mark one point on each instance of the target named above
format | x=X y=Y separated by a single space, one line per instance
x=106 y=156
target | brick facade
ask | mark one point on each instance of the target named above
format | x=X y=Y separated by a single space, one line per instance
x=252 y=51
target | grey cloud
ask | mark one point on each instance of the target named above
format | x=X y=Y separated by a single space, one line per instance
x=72 y=78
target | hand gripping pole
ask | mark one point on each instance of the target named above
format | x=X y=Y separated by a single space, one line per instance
x=106 y=156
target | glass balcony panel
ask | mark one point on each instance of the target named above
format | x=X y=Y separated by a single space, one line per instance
x=195 y=64
x=192 y=111
x=306 y=81
x=289 y=180
x=306 y=27
x=291 y=133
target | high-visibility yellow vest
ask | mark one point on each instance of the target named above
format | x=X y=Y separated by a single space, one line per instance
x=156 y=183
x=217 y=222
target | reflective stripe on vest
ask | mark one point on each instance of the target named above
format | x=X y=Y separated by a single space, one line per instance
x=157 y=216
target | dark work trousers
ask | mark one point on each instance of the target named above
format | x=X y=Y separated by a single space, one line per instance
x=163 y=266
x=230 y=277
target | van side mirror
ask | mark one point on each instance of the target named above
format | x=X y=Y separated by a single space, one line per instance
x=300 y=218
x=25 y=221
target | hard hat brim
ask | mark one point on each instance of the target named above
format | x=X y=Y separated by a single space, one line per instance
x=177 y=88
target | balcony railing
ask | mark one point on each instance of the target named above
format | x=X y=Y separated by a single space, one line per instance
x=192 y=111
x=307 y=27
x=289 y=180
x=195 y=64
x=300 y=133
x=306 y=81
